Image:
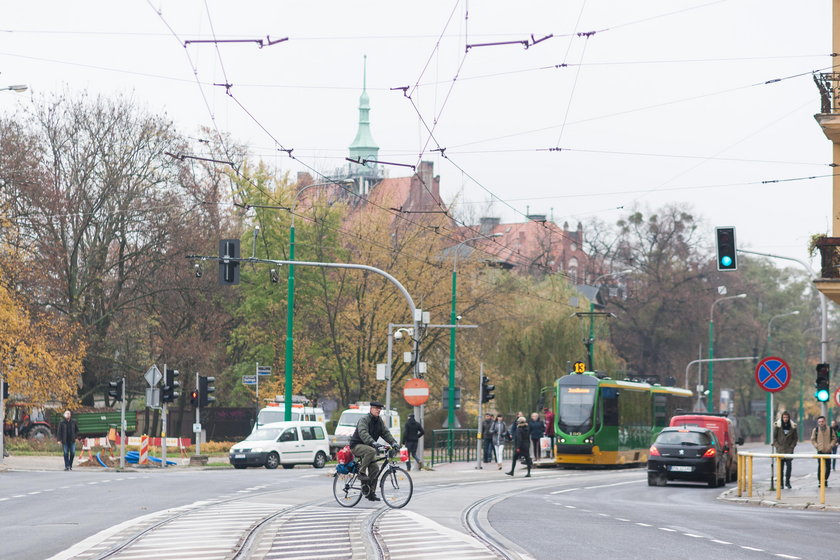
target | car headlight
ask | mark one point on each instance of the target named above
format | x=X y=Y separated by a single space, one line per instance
x=257 y=449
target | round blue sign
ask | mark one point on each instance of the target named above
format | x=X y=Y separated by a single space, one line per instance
x=772 y=374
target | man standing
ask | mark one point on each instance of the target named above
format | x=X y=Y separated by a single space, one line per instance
x=549 y=428
x=822 y=438
x=411 y=436
x=363 y=445
x=785 y=439
x=536 y=428
x=68 y=430
x=486 y=439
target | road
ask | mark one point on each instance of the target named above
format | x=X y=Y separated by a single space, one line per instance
x=456 y=511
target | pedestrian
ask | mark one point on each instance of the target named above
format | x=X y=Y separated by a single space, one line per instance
x=512 y=431
x=536 y=429
x=836 y=429
x=785 y=438
x=822 y=438
x=486 y=440
x=498 y=435
x=549 y=427
x=68 y=430
x=411 y=436
x=363 y=445
x=521 y=445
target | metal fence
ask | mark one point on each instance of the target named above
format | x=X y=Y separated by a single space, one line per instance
x=462 y=446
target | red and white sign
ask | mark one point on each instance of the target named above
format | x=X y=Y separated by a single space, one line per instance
x=416 y=392
x=837 y=397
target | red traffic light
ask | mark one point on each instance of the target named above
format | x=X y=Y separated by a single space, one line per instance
x=194 y=398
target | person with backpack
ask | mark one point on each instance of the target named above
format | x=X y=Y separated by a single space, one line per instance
x=521 y=446
x=411 y=436
x=822 y=438
x=363 y=444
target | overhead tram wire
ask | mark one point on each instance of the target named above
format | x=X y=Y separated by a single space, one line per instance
x=317 y=173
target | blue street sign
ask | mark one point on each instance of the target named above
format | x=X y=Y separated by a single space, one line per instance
x=264 y=370
x=772 y=374
x=249 y=379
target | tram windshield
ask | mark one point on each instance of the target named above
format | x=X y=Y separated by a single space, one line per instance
x=575 y=408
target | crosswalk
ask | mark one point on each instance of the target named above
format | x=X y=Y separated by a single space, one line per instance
x=408 y=535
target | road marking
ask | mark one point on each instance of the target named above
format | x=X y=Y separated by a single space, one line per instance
x=643 y=525
x=720 y=542
x=621 y=519
x=693 y=536
x=667 y=529
x=788 y=556
x=753 y=549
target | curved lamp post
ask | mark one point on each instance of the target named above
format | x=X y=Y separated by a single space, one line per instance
x=709 y=386
x=17 y=88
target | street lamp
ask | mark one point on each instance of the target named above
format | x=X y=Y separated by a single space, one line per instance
x=453 y=318
x=290 y=302
x=769 y=396
x=590 y=343
x=17 y=88
x=709 y=386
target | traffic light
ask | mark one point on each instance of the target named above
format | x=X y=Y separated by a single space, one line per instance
x=487 y=390
x=228 y=271
x=821 y=384
x=168 y=392
x=727 y=258
x=115 y=390
x=5 y=392
x=194 y=398
x=204 y=390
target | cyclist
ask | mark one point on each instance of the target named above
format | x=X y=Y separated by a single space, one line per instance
x=363 y=444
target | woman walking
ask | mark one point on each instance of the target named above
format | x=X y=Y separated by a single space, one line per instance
x=499 y=433
x=521 y=445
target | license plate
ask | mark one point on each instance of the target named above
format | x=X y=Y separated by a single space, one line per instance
x=239 y=456
x=680 y=468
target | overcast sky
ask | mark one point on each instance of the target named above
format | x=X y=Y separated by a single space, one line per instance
x=665 y=103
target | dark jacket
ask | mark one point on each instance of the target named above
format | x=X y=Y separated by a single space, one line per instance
x=413 y=430
x=785 y=442
x=522 y=441
x=536 y=428
x=369 y=429
x=485 y=428
x=68 y=431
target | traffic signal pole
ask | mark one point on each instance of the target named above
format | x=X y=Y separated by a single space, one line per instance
x=163 y=414
x=197 y=421
x=479 y=440
x=122 y=427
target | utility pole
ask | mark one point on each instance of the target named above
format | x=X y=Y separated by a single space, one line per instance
x=122 y=427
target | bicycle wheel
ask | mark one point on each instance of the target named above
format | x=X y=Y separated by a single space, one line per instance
x=396 y=487
x=347 y=489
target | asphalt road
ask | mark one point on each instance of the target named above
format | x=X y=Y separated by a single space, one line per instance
x=567 y=514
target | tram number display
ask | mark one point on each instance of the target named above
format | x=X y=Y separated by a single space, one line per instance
x=580 y=367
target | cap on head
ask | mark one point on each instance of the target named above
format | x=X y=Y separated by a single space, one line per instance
x=377 y=404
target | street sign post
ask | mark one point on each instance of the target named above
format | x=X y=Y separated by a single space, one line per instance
x=837 y=397
x=249 y=379
x=263 y=370
x=416 y=392
x=772 y=374
x=153 y=376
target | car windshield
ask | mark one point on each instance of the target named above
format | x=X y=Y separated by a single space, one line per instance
x=575 y=408
x=684 y=438
x=264 y=434
x=277 y=415
x=350 y=418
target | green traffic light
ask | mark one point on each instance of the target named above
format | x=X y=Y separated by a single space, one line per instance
x=821 y=395
x=726 y=261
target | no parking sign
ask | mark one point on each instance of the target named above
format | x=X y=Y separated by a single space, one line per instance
x=772 y=374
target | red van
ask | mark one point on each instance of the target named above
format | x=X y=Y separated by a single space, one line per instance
x=724 y=429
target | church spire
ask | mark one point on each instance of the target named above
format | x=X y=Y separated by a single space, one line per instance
x=364 y=146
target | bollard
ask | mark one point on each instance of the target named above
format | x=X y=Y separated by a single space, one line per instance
x=741 y=459
x=778 y=477
x=823 y=465
x=749 y=475
x=144 y=450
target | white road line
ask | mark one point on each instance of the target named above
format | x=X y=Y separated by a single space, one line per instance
x=643 y=525
x=667 y=529
x=720 y=542
x=621 y=519
x=693 y=536
x=788 y=556
x=753 y=549
x=570 y=507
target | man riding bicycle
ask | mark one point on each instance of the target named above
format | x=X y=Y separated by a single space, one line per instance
x=363 y=445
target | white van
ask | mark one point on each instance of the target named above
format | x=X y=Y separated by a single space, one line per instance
x=283 y=443
x=276 y=412
x=349 y=419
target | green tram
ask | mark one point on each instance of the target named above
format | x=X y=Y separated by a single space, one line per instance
x=603 y=421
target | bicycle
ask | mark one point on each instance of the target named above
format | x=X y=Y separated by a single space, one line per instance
x=395 y=484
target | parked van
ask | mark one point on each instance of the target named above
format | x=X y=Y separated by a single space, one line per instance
x=276 y=412
x=349 y=419
x=725 y=430
x=283 y=443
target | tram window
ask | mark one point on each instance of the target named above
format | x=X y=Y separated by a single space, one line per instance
x=610 y=403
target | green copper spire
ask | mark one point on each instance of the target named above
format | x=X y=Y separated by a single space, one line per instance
x=364 y=147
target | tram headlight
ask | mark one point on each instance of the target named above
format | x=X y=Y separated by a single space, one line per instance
x=562 y=440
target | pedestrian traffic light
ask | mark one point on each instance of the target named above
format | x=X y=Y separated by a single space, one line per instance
x=228 y=270
x=822 y=382
x=194 y=398
x=170 y=383
x=115 y=390
x=204 y=390
x=487 y=390
x=727 y=258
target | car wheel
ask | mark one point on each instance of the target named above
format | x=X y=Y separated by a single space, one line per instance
x=288 y=465
x=320 y=460
x=239 y=466
x=272 y=460
x=653 y=479
x=713 y=480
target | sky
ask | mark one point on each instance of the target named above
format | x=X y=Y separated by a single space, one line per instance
x=613 y=106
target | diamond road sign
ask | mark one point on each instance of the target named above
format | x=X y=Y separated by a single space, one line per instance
x=153 y=376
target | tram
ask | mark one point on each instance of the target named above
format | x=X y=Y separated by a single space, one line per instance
x=601 y=421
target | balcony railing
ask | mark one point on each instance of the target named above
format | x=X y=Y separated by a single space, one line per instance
x=829 y=85
x=829 y=248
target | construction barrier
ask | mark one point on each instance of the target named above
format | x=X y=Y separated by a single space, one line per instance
x=88 y=443
x=144 y=450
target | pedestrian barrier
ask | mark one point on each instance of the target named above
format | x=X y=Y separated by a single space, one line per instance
x=88 y=443
x=462 y=446
x=745 y=470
